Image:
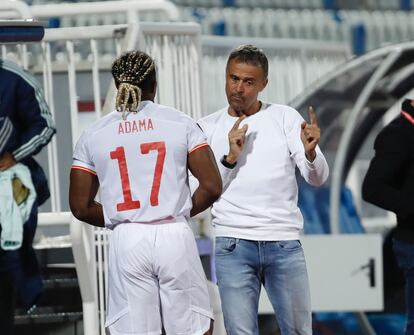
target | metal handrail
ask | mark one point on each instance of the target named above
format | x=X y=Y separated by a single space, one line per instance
x=15 y=6
x=346 y=138
x=73 y=9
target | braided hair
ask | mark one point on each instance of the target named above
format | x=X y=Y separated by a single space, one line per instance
x=133 y=72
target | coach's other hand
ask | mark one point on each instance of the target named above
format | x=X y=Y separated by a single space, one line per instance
x=310 y=135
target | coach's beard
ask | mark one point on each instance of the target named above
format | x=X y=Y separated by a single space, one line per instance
x=237 y=103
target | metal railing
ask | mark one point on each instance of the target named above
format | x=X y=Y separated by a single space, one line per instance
x=12 y=9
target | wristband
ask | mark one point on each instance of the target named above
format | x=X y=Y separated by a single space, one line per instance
x=227 y=164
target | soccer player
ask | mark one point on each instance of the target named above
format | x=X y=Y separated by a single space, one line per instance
x=139 y=156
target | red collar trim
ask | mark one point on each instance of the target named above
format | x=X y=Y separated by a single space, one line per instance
x=408 y=117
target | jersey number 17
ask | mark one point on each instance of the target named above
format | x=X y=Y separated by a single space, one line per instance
x=119 y=155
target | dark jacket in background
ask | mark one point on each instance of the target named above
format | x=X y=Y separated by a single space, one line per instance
x=26 y=126
x=389 y=182
x=25 y=115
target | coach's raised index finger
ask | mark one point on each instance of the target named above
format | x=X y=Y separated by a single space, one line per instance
x=237 y=123
x=312 y=116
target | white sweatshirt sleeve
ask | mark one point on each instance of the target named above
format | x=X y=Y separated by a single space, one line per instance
x=315 y=173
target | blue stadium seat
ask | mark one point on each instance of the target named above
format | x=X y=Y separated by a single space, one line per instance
x=314 y=204
x=346 y=323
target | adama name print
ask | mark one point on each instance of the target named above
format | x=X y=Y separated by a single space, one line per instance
x=134 y=126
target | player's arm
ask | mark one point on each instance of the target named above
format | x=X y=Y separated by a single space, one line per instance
x=202 y=165
x=82 y=191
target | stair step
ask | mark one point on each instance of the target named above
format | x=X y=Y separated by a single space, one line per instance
x=47 y=315
x=61 y=266
x=50 y=283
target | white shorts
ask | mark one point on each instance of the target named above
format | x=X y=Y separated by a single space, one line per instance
x=156 y=278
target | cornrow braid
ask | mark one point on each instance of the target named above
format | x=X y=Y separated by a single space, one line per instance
x=131 y=71
x=128 y=98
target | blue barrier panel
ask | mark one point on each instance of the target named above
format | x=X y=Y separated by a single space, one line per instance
x=314 y=205
x=346 y=324
x=219 y=28
x=54 y=22
x=308 y=206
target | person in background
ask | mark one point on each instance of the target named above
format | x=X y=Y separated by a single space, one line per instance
x=257 y=222
x=26 y=126
x=139 y=156
x=389 y=184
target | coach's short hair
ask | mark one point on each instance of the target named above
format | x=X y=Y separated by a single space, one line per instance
x=251 y=55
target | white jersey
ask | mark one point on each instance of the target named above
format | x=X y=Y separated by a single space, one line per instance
x=259 y=199
x=141 y=163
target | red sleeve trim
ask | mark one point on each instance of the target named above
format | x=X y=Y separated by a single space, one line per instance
x=198 y=147
x=82 y=168
x=408 y=117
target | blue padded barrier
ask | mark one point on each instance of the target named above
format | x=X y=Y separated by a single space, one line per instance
x=314 y=204
x=219 y=28
x=346 y=324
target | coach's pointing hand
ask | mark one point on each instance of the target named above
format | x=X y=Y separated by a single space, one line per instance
x=237 y=138
x=310 y=135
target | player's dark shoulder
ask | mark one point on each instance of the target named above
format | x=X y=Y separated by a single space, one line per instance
x=12 y=72
x=12 y=77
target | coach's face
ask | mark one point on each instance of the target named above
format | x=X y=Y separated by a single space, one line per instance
x=244 y=82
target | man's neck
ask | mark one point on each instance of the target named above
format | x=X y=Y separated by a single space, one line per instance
x=147 y=97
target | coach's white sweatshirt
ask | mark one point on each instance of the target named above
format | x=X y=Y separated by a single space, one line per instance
x=259 y=200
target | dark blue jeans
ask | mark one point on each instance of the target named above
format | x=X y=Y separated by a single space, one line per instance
x=404 y=252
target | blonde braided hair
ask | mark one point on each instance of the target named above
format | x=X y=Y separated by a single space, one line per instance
x=130 y=71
